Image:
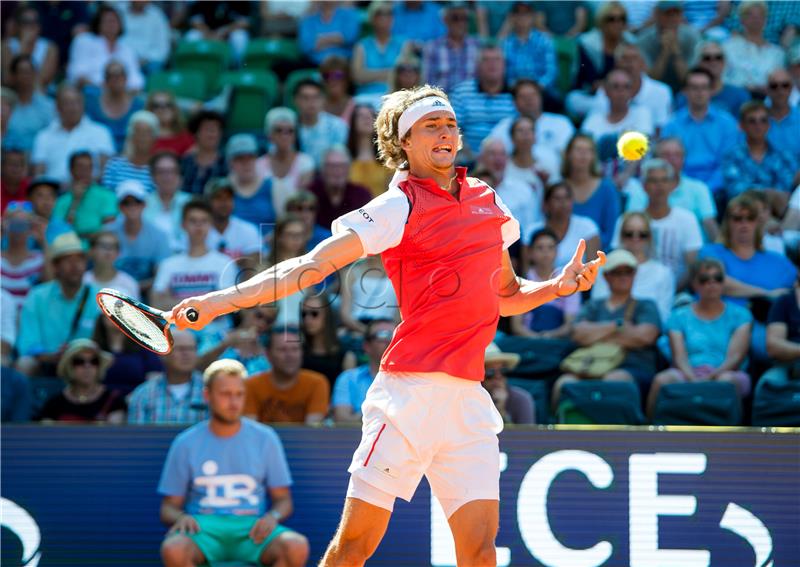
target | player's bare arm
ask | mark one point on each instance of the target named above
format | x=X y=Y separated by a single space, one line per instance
x=518 y=295
x=279 y=281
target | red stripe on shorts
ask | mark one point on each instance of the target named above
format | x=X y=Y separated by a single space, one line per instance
x=378 y=436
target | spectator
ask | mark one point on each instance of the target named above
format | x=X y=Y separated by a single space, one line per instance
x=172 y=134
x=335 y=193
x=103 y=253
x=646 y=92
x=42 y=193
x=42 y=53
x=288 y=240
x=14 y=179
x=290 y=170
x=709 y=131
x=769 y=224
x=142 y=244
x=529 y=53
x=375 y=55
x=83 y=367
x=245 y=342
x=338 y=86
x=322 y=350
x=621 y=320
x=596 y=56
x=115 y=106
x=784 y=120
x=164 y=206
x=366 y=169
x=134 y=163
x=57 y=311
x=523 y=198
x=420 y=22
x=596 y=196
x=676 y=233
x=9 y=322
x=554 y=319
x=304 y=205
x=132 y=364
x=479 y=103
x=330 y=29
x=366 y=295
x=318 y=130
x=15 y=405
x=560 y=20
x=710 y=56
x=21 y=266
x=229 y=234
x=707 y=17
x=287 y=393
x=196 y=271
x=653 y=280
x=228 y=451
x=690 y=194
x=751 y=58
x=406 y=74
x=252 y=192
x=568 y=227
x=552 y=131
x=708 y=338
x=91 y=52
x=34 y=111
x=783 y=340
x=151 y=41
x=174 y=396
x=669 y=44
x=793 y=66
x=205 y=159
x=70 y=132
x=522 y=163
x=350 y=388
x=512 y=402
x=221 y=21
x=757 y=164
x=61 y=23
x=451 y=59
x=86 y=206
x=621 y=116
x=491 y=18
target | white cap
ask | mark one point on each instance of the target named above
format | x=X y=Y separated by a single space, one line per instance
x=131 y=188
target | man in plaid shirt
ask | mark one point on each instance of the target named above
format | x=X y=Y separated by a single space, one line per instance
x=176 y=396
x=451 y=59
x=529 y=53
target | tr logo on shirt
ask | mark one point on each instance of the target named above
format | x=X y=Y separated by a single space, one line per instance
x=225 y=490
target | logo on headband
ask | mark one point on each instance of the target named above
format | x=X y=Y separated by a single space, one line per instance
x=438 y=102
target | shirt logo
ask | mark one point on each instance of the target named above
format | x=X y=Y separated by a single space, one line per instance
x=365 y=215
x=478 y=210
x=225 y=490
x=437 y=103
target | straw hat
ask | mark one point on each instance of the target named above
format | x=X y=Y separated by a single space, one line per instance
x=64 y=369
x=494 y=354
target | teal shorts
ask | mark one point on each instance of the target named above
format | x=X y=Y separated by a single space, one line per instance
x=226 y=538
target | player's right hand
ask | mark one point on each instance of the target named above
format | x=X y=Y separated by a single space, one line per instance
x=186 y=524
x=206 y=312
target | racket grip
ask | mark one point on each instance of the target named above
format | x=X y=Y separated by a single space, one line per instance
x=192 y=315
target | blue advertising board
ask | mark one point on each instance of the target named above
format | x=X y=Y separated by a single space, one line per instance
x=572 y=497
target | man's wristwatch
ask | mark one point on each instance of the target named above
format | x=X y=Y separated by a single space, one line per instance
x=275 y=514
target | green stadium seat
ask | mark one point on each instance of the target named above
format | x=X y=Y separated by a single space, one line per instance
x=209 y=57
x=253 y=93
x=294 y=78
x=698 y=403
x=539 y=391
x=600 y=403
x=182 y=84
x=264 y=53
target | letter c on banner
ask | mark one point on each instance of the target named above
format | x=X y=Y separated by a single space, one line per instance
x=17 y=519
x=532 y=519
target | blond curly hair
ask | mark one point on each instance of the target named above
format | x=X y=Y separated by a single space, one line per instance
x=390 y=151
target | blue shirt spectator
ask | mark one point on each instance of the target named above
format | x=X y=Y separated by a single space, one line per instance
x=728 y=98
x=33 y=113
x=603 y=208
x=377 y=57
x=775 y=170
x=418 y=21
x=350 y=388
x=117 y=124
x=332 y=30
x=783 y=133
x=784 y=118
x=707 y=340
x=529 y=53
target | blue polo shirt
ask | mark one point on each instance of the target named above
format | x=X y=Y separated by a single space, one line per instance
x=706 y=142
x=350 y=388
x=785 y=135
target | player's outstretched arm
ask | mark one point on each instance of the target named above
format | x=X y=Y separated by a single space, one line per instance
x=281 y=280
x=518 y=295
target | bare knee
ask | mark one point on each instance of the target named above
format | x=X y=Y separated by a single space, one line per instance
x=558 y=385
x=290 y=549
x=177 y=551
x=619 y=376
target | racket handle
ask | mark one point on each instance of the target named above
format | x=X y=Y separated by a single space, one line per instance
x=192 y=315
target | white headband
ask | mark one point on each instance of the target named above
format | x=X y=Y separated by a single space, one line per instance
x=419 y=109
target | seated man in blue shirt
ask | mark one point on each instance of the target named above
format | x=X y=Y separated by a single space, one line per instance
x=351 y=386
x=226 y=485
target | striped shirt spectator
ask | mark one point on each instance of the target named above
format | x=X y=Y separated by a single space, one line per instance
x=478 y=111
x=18 y=279
x=158 y=401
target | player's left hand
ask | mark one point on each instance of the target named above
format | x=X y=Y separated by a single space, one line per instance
x=577 y=276
x=262 y=528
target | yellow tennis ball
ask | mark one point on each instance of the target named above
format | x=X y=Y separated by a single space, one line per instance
x=632 y=146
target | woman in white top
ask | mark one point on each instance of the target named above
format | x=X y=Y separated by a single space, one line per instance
x=621 y=116
x=653 y=279
x=521 y=164
x=27 y=41
x=367 y=294
x=291 y=170
x=91 y=52
x=104 y=253
x=289 y=240
x=568 y=227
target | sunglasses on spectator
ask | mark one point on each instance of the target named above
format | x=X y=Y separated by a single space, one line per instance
x=619 y=18
x=283 y=130
x=621 y=272
x=713 y=57
x=302 y=208
x=157 y=104
x=407 y=68
x=635 y=234
x=760 y=120
x=493 y=373
x=106 y=245
x=78 y=361
x=743 y=218
x=776 y=86
x=380 y=335
x=313 y=313
x=703 y=279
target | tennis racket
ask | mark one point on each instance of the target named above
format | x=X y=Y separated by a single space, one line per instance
x=144 y=325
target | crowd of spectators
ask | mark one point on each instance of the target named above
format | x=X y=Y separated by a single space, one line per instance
x=118 y=171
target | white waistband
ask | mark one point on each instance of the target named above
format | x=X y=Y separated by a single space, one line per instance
x=441 y=378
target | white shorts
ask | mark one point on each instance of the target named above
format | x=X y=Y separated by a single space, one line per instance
x=427 y=424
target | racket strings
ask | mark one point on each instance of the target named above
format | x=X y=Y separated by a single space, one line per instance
x=136 y=322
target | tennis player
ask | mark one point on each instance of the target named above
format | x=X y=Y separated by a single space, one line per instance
x=443 y=238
